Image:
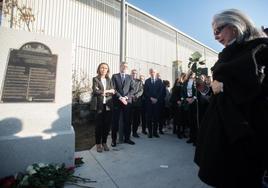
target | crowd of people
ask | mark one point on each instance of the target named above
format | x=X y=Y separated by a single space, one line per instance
x=226 y=119
x=149 y=103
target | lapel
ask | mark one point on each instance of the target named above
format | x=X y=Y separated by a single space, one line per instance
x=121 y=83
x=100 y=83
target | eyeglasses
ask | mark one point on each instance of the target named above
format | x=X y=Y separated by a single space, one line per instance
x=219 y=29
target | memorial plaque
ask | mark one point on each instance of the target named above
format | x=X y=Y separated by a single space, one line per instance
x=30 y=74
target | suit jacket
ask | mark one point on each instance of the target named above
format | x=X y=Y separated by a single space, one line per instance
x=184 y=91
x=138 y=92
x=153 y=90
x=122 y=89
x=97 y=97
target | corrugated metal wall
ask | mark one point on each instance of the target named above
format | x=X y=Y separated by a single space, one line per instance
x=92 y=25
x=94 y=28
x=150 y=44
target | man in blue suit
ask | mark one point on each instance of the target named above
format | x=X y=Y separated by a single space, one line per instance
x=153 y=91
x=123 y=86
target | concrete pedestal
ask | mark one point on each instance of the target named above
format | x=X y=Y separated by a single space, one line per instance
x=34 y=132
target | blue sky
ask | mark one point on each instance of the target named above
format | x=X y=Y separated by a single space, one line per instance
x=193 y=17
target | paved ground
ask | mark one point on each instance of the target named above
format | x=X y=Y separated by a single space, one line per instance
x=165 y=162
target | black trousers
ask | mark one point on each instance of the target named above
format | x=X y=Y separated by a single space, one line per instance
x=103 y=122
x=152 y=119
x=125 y=110
x=192 y=121
x=143 y=117
x=179 y=121
x=152 y=126
x=135 y=118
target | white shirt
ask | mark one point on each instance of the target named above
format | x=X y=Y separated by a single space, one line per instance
x=189 y=88
x=103 y=81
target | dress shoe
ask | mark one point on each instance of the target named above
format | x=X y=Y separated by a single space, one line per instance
x=129 y=142
x=135 y=135
x=161 y=132
x=144 y=132
x=156 y=135
x=105 y=147
x=113 y=144
x=179 y=136
x=189 y=141
x=99 y=148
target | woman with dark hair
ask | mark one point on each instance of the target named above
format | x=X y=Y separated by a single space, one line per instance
x=165 y=115
x=233 y=137
x=189 y=106
x=178 y=114
x=102 y=105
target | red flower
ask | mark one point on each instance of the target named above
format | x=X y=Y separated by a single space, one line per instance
x=7 y=182
x=71 y=169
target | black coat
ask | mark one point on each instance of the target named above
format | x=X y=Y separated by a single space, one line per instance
x=176 y=93
x=233 y=134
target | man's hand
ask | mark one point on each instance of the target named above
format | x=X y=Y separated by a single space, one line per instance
x=123 y=100
x=154 y=100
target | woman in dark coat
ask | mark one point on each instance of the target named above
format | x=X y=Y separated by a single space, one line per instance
x=232 y=144
x=179 y=116
x=102 y=105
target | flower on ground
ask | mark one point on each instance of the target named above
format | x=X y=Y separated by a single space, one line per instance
x=45 y=176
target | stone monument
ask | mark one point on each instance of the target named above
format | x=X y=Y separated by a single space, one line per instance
x=35 y=101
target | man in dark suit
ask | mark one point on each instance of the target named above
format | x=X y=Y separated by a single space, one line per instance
x=136 y=103
x=153 y=91
x=123 y=86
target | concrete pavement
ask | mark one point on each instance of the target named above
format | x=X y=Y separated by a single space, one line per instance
x=165 y=162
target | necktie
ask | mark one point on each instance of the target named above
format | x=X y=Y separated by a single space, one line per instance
x=123 y=78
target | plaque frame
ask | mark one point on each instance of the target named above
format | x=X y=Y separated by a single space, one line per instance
x=30 y=74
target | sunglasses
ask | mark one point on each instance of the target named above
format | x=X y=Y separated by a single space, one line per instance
x=219 y=29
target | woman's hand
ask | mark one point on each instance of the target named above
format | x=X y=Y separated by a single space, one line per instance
x=190 y=100
x=112 y=91
x=217 y=87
